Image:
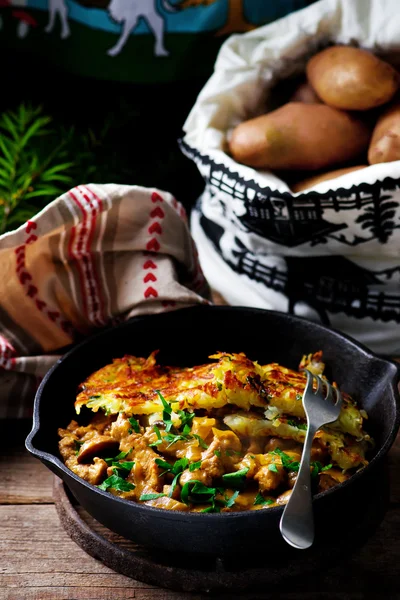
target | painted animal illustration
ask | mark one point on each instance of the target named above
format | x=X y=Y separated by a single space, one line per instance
x=129 y=12
x=126 y=12
x=58 y=8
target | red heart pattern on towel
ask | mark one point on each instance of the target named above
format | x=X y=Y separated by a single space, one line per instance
x=149 y=277
x=156 y=197
x=29 y=226
x=157 y=212
x=155 y=228
x=149 y=264
x=153 y=244
x=150 y=292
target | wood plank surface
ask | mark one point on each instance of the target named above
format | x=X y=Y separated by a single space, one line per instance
x=38 y=560
x=24 y=480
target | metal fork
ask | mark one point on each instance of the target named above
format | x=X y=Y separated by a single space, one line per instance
x=297 y=521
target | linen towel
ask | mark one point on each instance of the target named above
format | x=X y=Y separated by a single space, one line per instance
x=97 y=255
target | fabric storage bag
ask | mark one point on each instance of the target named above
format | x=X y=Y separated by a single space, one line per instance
x=330 y=254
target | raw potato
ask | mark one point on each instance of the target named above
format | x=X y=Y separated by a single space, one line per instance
x=305 y=93
x=311 y=181
x=299 y=136
x=385 y=142
x=352 y=79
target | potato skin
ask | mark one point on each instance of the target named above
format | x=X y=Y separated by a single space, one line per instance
x=305 y=93
x=299 y=136
x=304 y=184
x=352 y=79
x=385 y=142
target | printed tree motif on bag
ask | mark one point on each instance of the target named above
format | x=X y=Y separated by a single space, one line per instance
x=327 y=284
x=378 y=217
x=295 y=220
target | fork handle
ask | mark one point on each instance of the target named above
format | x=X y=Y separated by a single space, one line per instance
x=297 y=521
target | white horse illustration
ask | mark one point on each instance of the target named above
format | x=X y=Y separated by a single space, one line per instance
x=58 y=7
x=128 y=12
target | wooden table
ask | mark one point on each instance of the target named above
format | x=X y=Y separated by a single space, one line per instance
x=38 y=561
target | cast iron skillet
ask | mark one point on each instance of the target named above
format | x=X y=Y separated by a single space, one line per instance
x=187 y=337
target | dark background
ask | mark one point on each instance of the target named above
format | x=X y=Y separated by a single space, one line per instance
x=118 y=132
x=122 y=132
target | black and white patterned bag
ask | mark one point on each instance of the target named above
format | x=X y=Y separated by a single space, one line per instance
x=331 y=254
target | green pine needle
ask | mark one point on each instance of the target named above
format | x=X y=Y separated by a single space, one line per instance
x=30 y=173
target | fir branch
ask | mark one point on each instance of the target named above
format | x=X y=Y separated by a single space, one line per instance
x=27 y=171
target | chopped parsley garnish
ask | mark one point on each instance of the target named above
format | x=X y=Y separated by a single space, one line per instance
x=186 y=417
x=178 y=466
x=176 y=469
x=145 y=497
x=135 y=425
x=217 y=453
x=272 y=467
x=219 y=385
x=158 y=434
x=259 y=499
x=231 y=501
x=235 y=479
x=115 y=459
x=173 y=439
x=173 y=484
x=186 y=430
x=167 y=412
x=195 y=492
x=299 y=397
x=317 y=468
x=77 y=446
x=126 y=465
x=288 y=463
x=298 y=425
x=194 y=466
x=173 y=435
x=294 y=465
x=232 y=452
x=202 y=443
x=163 y=465
x=116 y=483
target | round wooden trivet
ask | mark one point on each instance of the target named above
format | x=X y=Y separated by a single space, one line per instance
x=206 y=574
